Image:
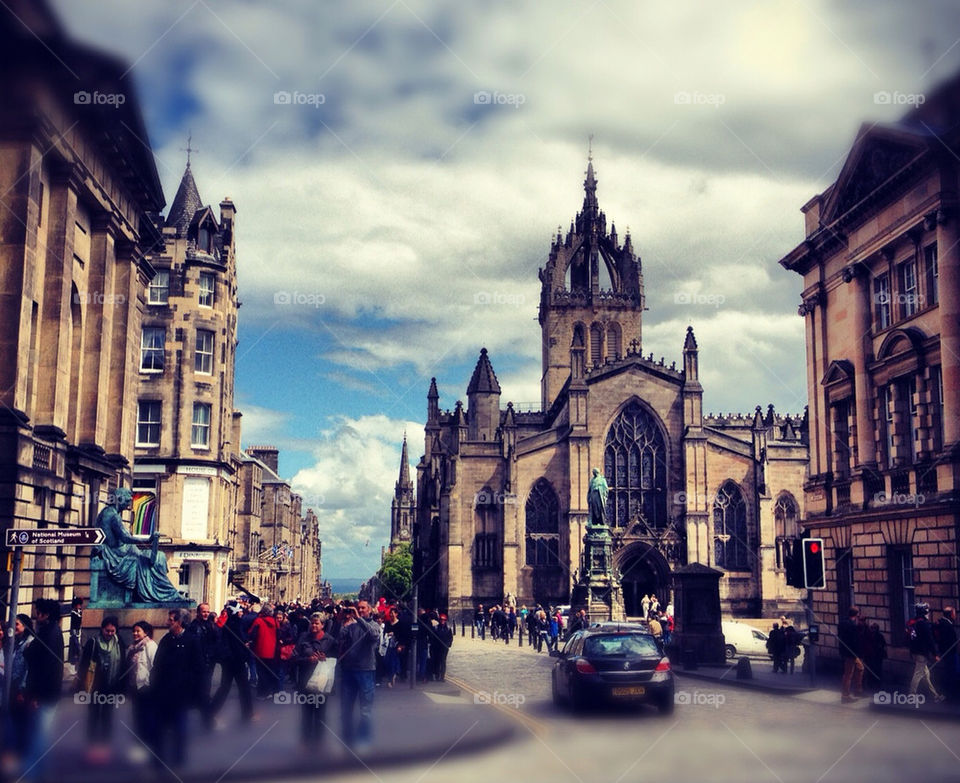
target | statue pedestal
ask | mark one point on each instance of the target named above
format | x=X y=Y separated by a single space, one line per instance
x=598 y=591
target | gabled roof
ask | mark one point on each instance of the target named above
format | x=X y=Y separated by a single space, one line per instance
x=484 y=380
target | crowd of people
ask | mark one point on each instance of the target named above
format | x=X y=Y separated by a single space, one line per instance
x=261 y=650
x=546 y=627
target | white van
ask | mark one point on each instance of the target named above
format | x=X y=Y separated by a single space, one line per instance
x=741 y=639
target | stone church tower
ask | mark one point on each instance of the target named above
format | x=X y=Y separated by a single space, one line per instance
x=591 y=295
x=501 y=494
x=403 y=509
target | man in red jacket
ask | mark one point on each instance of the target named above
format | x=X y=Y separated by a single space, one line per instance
x=263 y=643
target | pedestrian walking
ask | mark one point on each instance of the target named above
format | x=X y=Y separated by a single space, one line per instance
x=776 y=646
x=645 y=607
x=480 y=621
x=76 y=630
x=311 y=648
x=874 y=650
x=791 y=641
x=208 y=635
x=140 y=659
x=357 y=663
x=16 y=719
x=848 y=639
x=233 y=655
x=101 y=676
x=923 y=650
x=44 y=659
x=175 y=682
x=263 y=645
x=440 y=644
x=948 y=670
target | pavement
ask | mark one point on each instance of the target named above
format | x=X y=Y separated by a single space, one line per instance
x=420 y=725
x=825 y=690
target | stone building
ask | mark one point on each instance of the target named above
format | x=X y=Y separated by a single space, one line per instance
x=187 y=432
x=278 y=551
x=881 y=298
x=79 y=189
x=501 y=494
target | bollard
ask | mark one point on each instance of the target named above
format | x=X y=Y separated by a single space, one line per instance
x=506 y=637
x=520 y=636
x=463 y=628
x=744 y=671
x=473 y=630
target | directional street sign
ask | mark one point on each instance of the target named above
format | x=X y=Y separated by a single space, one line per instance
x=83 y=536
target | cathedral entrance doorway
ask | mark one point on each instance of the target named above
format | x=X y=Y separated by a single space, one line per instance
x=643 y=571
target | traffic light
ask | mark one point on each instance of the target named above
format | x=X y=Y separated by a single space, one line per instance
x=793 y=562
x=814 y=574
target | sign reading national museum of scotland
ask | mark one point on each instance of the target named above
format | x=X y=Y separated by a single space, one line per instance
x=84 y=536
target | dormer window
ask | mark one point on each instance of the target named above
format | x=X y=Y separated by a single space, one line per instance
x=204 y=240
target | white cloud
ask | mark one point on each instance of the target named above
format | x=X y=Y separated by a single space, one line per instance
x=356 y=463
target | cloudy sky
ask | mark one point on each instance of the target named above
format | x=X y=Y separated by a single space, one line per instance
x=400 y=167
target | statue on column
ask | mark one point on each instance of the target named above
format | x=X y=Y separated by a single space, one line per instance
x=140 y=574
x=597 y=499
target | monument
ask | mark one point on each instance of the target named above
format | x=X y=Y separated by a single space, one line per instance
x=122 y=576
x=597 y=589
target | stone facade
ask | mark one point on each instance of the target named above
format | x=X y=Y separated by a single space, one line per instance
x=80 y=190
x=278 y=552
x=881 y=299
x=501 y=494
x=188 y=434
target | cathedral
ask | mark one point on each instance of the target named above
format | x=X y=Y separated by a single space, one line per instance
x=501 y=495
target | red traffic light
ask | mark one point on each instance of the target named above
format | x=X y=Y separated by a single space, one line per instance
x=814 y=547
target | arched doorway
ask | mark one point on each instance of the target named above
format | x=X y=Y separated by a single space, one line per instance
x=643 y=571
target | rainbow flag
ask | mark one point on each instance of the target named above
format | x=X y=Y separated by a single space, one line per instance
x=144 y=513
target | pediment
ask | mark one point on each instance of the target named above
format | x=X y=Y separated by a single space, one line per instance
x=840 y=370
x=901 y=341
x=877 y=155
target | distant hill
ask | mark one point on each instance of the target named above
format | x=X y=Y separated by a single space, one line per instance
x=346 y=585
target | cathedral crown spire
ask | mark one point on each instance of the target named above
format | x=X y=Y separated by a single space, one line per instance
x=484 y=380
x=404 y=479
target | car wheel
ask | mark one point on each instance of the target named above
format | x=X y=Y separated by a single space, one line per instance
x=577 y=699
x=730 y=651
x=665 y=705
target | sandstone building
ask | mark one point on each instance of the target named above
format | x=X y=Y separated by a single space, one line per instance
x=79 y=190
x=881 y=298
x=501 y=494
x=187 y=432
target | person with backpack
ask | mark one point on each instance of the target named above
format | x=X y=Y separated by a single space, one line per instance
x=946 y=632
x=923 y=650
x=776 y=646
x=848 y=639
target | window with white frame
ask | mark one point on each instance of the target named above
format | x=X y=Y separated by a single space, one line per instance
x=208 y=282
x=148 y=422
x=909 y=295
x=200 y=431
x=159 y=291
x=203 y=356
x=151 y=348
x=881 y=301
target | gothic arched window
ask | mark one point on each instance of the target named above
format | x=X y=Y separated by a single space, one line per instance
x=635 y=466
x=786 y=516
x=730 y=546
x=486 y=540
x=542 y=525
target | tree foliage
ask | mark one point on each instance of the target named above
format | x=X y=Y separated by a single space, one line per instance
x=396 y=573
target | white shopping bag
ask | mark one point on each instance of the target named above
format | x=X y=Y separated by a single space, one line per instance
x=321 y=681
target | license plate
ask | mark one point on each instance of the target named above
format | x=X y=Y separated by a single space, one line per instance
x=633 y=690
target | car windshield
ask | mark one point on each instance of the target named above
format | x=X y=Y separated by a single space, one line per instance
x=620 y=644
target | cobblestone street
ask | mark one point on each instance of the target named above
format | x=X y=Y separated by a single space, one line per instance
x=724 y=734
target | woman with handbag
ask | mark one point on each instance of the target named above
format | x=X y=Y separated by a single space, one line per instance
x=101 y=676
x=312 y=647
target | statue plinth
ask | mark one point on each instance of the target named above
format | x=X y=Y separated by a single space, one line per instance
x=598 y=590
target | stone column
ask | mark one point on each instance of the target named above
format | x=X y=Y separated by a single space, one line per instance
x=949 y=267
x=862 y=355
